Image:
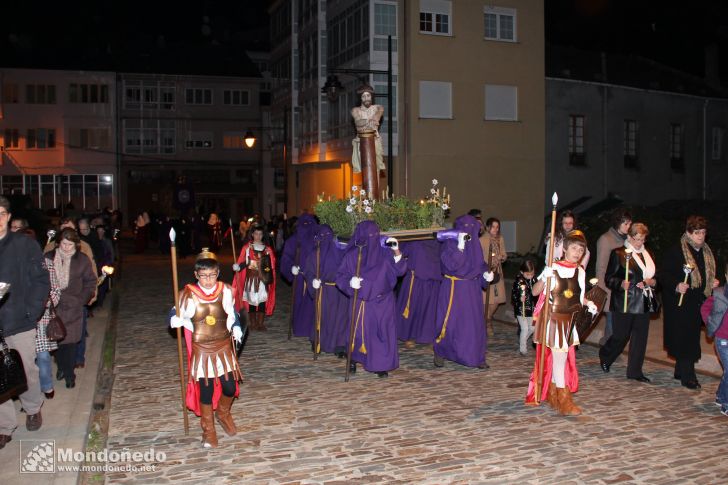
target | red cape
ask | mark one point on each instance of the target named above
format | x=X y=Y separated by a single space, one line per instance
x=239 y=282
x=192 y=399
x=571 y=375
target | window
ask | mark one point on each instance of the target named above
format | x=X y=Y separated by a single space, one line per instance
x=676 y=147
x=500 y=24
x=92 y=138
x=233 y=140
x=11 y=138
x=198 y=139
x=40 y=94
x=435 y=17
x=235 y=97
x=149 y=95
x=149 y=136
x=631 y=143
x=716 y=144
x=198 y=96
x=385 y=24
x=577 y=156
x=10 y=93
x=501 y=103
x=435 y=99
x=41 y=138
x=88 y=93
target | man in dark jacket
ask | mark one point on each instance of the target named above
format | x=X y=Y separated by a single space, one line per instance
x=22 y=307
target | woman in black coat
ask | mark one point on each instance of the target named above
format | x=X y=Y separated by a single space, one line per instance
x=77 y=281
x=683 y=322
x=633 y=324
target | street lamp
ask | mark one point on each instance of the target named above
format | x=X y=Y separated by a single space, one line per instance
x=332 y=88
x=249 y=139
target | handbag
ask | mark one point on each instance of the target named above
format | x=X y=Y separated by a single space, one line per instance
x=652 y=304
x=55 y=330
x=12 y=373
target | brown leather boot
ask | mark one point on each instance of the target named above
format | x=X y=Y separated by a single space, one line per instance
x=209 y=436
x=566 y=405
x=261 y=325
x=224 y=417
x=551 y=397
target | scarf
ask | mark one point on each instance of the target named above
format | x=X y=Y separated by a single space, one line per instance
x=648 y=266
x=62 y=263
x=696 y=281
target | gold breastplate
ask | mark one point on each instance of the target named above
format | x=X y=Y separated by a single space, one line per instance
x=566 y=295
x=209 y=320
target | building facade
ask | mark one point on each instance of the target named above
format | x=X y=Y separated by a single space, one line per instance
x=188 y=130
x=642 y=145
x=59 y=141
x=467 y=97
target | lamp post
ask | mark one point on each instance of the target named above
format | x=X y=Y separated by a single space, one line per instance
x=332 y=88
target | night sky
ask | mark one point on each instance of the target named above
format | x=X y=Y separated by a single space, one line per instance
x=103 y=32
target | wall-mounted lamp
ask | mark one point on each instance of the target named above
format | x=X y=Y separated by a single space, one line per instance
x=249 y=139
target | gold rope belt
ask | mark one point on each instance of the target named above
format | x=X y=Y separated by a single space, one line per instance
x=406 y=311
x=452 y=279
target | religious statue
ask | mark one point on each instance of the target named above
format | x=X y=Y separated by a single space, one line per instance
x=368 y=144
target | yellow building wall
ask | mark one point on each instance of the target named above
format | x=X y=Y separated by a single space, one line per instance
x=496 y=166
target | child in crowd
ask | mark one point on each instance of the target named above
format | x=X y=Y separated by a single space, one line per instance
x=522 y=299
x=715 y=315
x=207 y=314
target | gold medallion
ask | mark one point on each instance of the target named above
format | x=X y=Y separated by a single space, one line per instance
x=568 y=293
x=210 y=320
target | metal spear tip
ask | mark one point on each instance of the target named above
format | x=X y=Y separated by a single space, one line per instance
x=172 y=235
x=593 y=281
x=555 y=199
x=51 y=234
x=107 y=270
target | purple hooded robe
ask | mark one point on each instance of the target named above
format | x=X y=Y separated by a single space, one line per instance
x=417 y=299
x=460 y=328
x=375 y=334
x=332 y=304
x=296 y=252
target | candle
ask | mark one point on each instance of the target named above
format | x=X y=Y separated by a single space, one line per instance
x=628 y=254
x=523 y=306
x=687 y=269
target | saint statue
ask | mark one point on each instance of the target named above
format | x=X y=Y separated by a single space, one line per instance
x=367 y=156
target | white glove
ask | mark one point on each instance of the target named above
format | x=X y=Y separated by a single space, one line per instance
x=316 y=283
x=236 y=267
x=355 y=282
x=591 y=307
x=548 y=272
x=237 y=334
x=392 y=243
x=488 y=275
x=177 y=322
x=295 y=270
x=461 y=240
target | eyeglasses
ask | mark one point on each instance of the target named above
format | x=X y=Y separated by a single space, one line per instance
x=207 y=276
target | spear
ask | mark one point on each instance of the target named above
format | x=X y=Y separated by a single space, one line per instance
x=175 y=285
x=232 y=240
x=545 y=314
x=319 y=293
x=353 y=317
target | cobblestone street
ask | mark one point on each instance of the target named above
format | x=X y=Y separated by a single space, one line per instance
x=299 y=422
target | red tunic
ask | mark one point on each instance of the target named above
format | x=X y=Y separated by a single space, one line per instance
x=239 y=280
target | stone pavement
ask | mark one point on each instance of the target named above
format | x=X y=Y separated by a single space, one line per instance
x=299 y=422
